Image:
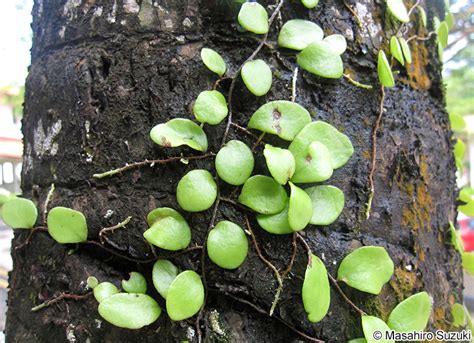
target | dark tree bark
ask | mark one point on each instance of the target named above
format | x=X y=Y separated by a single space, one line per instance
x=104 y=72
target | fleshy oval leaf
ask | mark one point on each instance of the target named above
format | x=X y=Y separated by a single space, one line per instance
x=310 y=3
x=370 y=325
x=424 y=19
x=327 y=201
x=316 y=291
x=459 y=152
x=92 y=282
x=280 y=163
x=163 y=274
x=443 y=33
x=466 y=197
x=185 y=296
x=257 y=76
x=337 y=42
x=169 y=233
x=253 y=17
x=398 y=10
x=162 y=212
x=396 y=50
x=384 y=71
x=66 y=225
x=104 y=290
x=135 y=284
x=456 y=240
x=263 y=195
x=412 y=314
x=316 y=165
x=366 y=269
x=234 y=162
x=297 y=34
x=227 y=245
x=405 y=49
x=179 y=131
x=210 y=107
x=19 y=213
x=130 y=310
x=282 y=118
x=213 y=61
x=468 y=262
x=320 y=59
x=196 y=191
x=277 y=224
x=457 y=122
x=300 y=209
x=459 y=315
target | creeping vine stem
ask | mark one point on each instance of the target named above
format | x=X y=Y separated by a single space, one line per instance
x=60 y=297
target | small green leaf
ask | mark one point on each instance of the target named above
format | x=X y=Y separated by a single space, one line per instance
x=282 y=118
x=405 y=49
x=185 y=296
x=135 y=284
x=280 y=163
x=366 y=269
x=412 y=314
x=170 y=233
x=213 y=61
x=328 y=202
x=300 y=209
x=316 y=291
x=337 y=42
x=398 y=10
x=257 y=76
x=163 y=274
x=227 y=245
x=455 y=238
x=396 y=50
x=66 y=225
x=459 y=151
x=372 y=324
x=468 y=262
x=424 y=20
x=436 y=23
x=449 y=20
x=162 y=212
x=177 y=132
x=337 y=143
x=457 y=122
x=297 y=34
x=210 y=107
x=92 y=282
x=277 y=224
x=443 y=33
x=253 y=17
x=130 y=310
x=459 y=315
x=196 y=191
x=263 y=195
x=234 y=162
x=384 y=71
x=104 y=290
x=320 y=59
x=468 y=208
x=310 y=3
x=315 y=166
x=19 y=213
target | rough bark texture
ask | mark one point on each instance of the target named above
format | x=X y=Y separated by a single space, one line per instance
x=104 y=72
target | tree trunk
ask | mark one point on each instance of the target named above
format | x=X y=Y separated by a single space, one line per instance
x=104 y=72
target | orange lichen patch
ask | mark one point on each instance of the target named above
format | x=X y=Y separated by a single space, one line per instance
x=418 y=76
x=403 y=283
x=439 y=318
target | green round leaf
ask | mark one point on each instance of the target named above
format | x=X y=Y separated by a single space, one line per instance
x=468 y=262
x=163 y=274
x=210 y=107
x=456 y=240
x=130 y=310
x=19 y=213
x=263 y=195
x=253 y=17
x=257 y=76
x=278 y=223
x=396 y=50
x=459 y=315
x=300 y=209
x=66 y=225
x=162 y=212
x=372 y=324
x=104 y=290
x=468 y=208
x=328 y=202
x=213 y=61
x=92 y=282
x=405 y=49
x=135 y=284
x=457 y=122
x=177 y=132
x=297 y=34
x=315 y=166
x=338 y=144
x=459 y=152
x=196 y=191
x=185 y=296
x=366 y=269
x=320 y=59
x=234 y=162
x=412 y=314
x=310 y=3
x=443 y=33
x=227 y=245
x=280 y=163
x=423 y=16
x=316 y=290
x=398 y=10
x=282 y=118
x=169 y=233
x=337 y=42
x=449 y=20
x=384 y=71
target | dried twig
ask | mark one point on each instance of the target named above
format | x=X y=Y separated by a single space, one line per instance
x=62 y=296
x=425 y=38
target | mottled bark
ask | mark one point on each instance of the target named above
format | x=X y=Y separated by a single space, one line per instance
x=104 y=72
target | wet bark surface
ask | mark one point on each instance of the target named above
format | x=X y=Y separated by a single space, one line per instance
x=104 y=72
